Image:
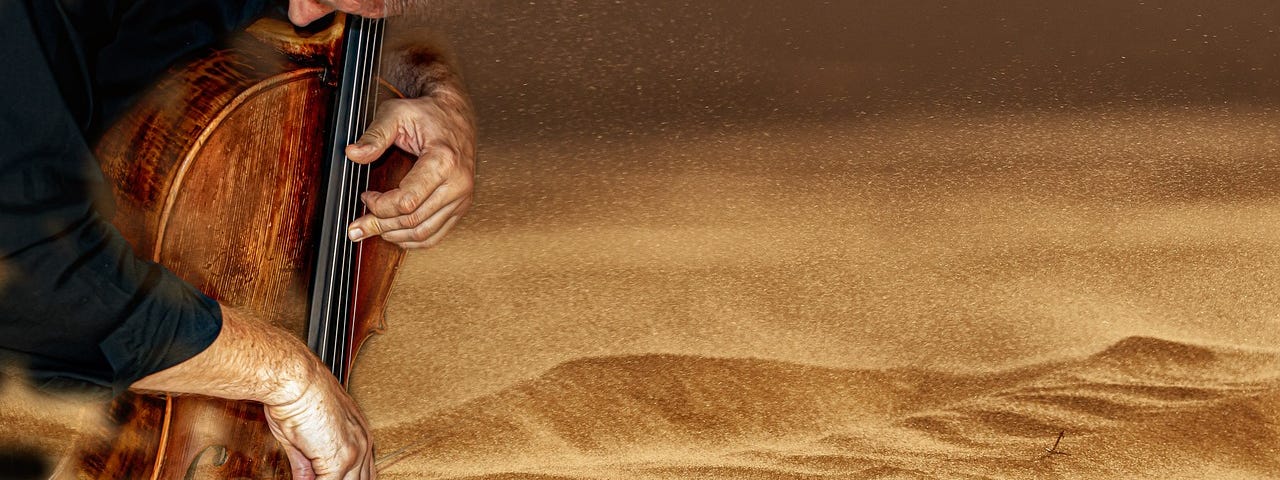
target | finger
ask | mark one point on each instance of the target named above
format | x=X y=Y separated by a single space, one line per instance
x=423 y=179
x=357 y=470
x=424 y=230
x=434 y=239
x=370 y=198
x=299 y=464
x=380 y=135
x=364 y=8
x=303 y=12
x=371 y=464
x=349 y=460
x=390 y=211
x=371 y=225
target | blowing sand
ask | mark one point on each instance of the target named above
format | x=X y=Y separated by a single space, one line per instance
x=904 y=297
x=842 y=240
x=882 y=298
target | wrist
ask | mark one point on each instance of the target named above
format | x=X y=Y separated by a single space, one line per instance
x=290 y=381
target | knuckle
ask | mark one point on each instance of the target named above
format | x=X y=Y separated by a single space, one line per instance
x=414 y=219
x=409 y=202
x=421 y=233
x=383 y=205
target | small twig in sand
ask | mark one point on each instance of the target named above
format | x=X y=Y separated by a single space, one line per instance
x=1054 y=449
x=401 y=453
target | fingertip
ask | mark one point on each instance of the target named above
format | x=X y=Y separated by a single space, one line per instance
x=359 y=153
x=299 y=465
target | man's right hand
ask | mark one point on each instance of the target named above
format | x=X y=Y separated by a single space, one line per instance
x=317 y=423
x=323 y=432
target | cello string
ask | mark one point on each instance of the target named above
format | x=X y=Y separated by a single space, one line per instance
x=371 y=62
x=336 y=260
x=344 y=310
x=334 y=301
x=372 y=56
x=375 y=54
x=359 y=187
x=359 y=123
x=334 y=297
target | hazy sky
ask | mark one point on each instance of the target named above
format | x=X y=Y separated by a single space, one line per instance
x=572 y=65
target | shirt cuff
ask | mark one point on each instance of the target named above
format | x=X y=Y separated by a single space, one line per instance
x=171 y=323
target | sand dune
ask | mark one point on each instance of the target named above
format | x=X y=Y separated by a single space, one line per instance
x=938 y=309
x=844 y=240
x=1144 y=407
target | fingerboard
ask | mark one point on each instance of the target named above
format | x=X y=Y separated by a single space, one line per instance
x=331 y=315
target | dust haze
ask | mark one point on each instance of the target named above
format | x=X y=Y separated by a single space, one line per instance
x=915 y=239
x=985 y=189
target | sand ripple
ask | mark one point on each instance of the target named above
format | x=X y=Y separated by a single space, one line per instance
x=1144 y=407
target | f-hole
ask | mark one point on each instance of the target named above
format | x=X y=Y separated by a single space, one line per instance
x=218 y=460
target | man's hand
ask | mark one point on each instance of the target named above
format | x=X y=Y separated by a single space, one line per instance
x=437 y=127
x=323 y=432
x=317 y=423
x=303 y=12
x=437 y=191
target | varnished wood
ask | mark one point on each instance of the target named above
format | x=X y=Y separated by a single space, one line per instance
x=217 y=172
x=307 y=47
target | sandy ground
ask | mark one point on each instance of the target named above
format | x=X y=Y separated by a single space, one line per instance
x=843 y=241
x=905 y=298
x=883 y=298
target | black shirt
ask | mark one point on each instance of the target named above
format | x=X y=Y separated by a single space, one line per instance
x=77 y=307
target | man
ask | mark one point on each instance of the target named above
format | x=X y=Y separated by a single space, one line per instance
x=77 y=306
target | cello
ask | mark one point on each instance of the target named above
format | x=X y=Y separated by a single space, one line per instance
x=231 y=172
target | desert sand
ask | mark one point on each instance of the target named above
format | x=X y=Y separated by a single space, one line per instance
x=842 y=241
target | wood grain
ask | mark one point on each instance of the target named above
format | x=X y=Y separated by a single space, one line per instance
x=218 y=177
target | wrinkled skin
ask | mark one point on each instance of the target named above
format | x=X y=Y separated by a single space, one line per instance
x=310 y=414
x=437 y=191
x=430 y=199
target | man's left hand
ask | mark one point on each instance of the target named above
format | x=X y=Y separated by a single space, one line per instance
x=437 y=190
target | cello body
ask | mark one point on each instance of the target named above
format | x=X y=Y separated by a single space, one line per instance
x=219 y=175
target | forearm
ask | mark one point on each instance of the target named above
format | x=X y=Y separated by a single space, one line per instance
x=316 y=422
x=249 y=360
x=416 y=65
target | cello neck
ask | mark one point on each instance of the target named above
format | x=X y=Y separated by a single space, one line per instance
x=330 y=326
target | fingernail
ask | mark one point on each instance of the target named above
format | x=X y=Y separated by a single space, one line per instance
x=355 y=234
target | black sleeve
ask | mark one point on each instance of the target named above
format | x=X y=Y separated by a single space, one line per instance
x=76 y=305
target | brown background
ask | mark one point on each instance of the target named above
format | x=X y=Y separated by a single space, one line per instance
x=863 y=182
x=961 y=186
x=910 y=239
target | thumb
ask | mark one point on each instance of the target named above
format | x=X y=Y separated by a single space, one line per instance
x=376 y=139
x=299 y=465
